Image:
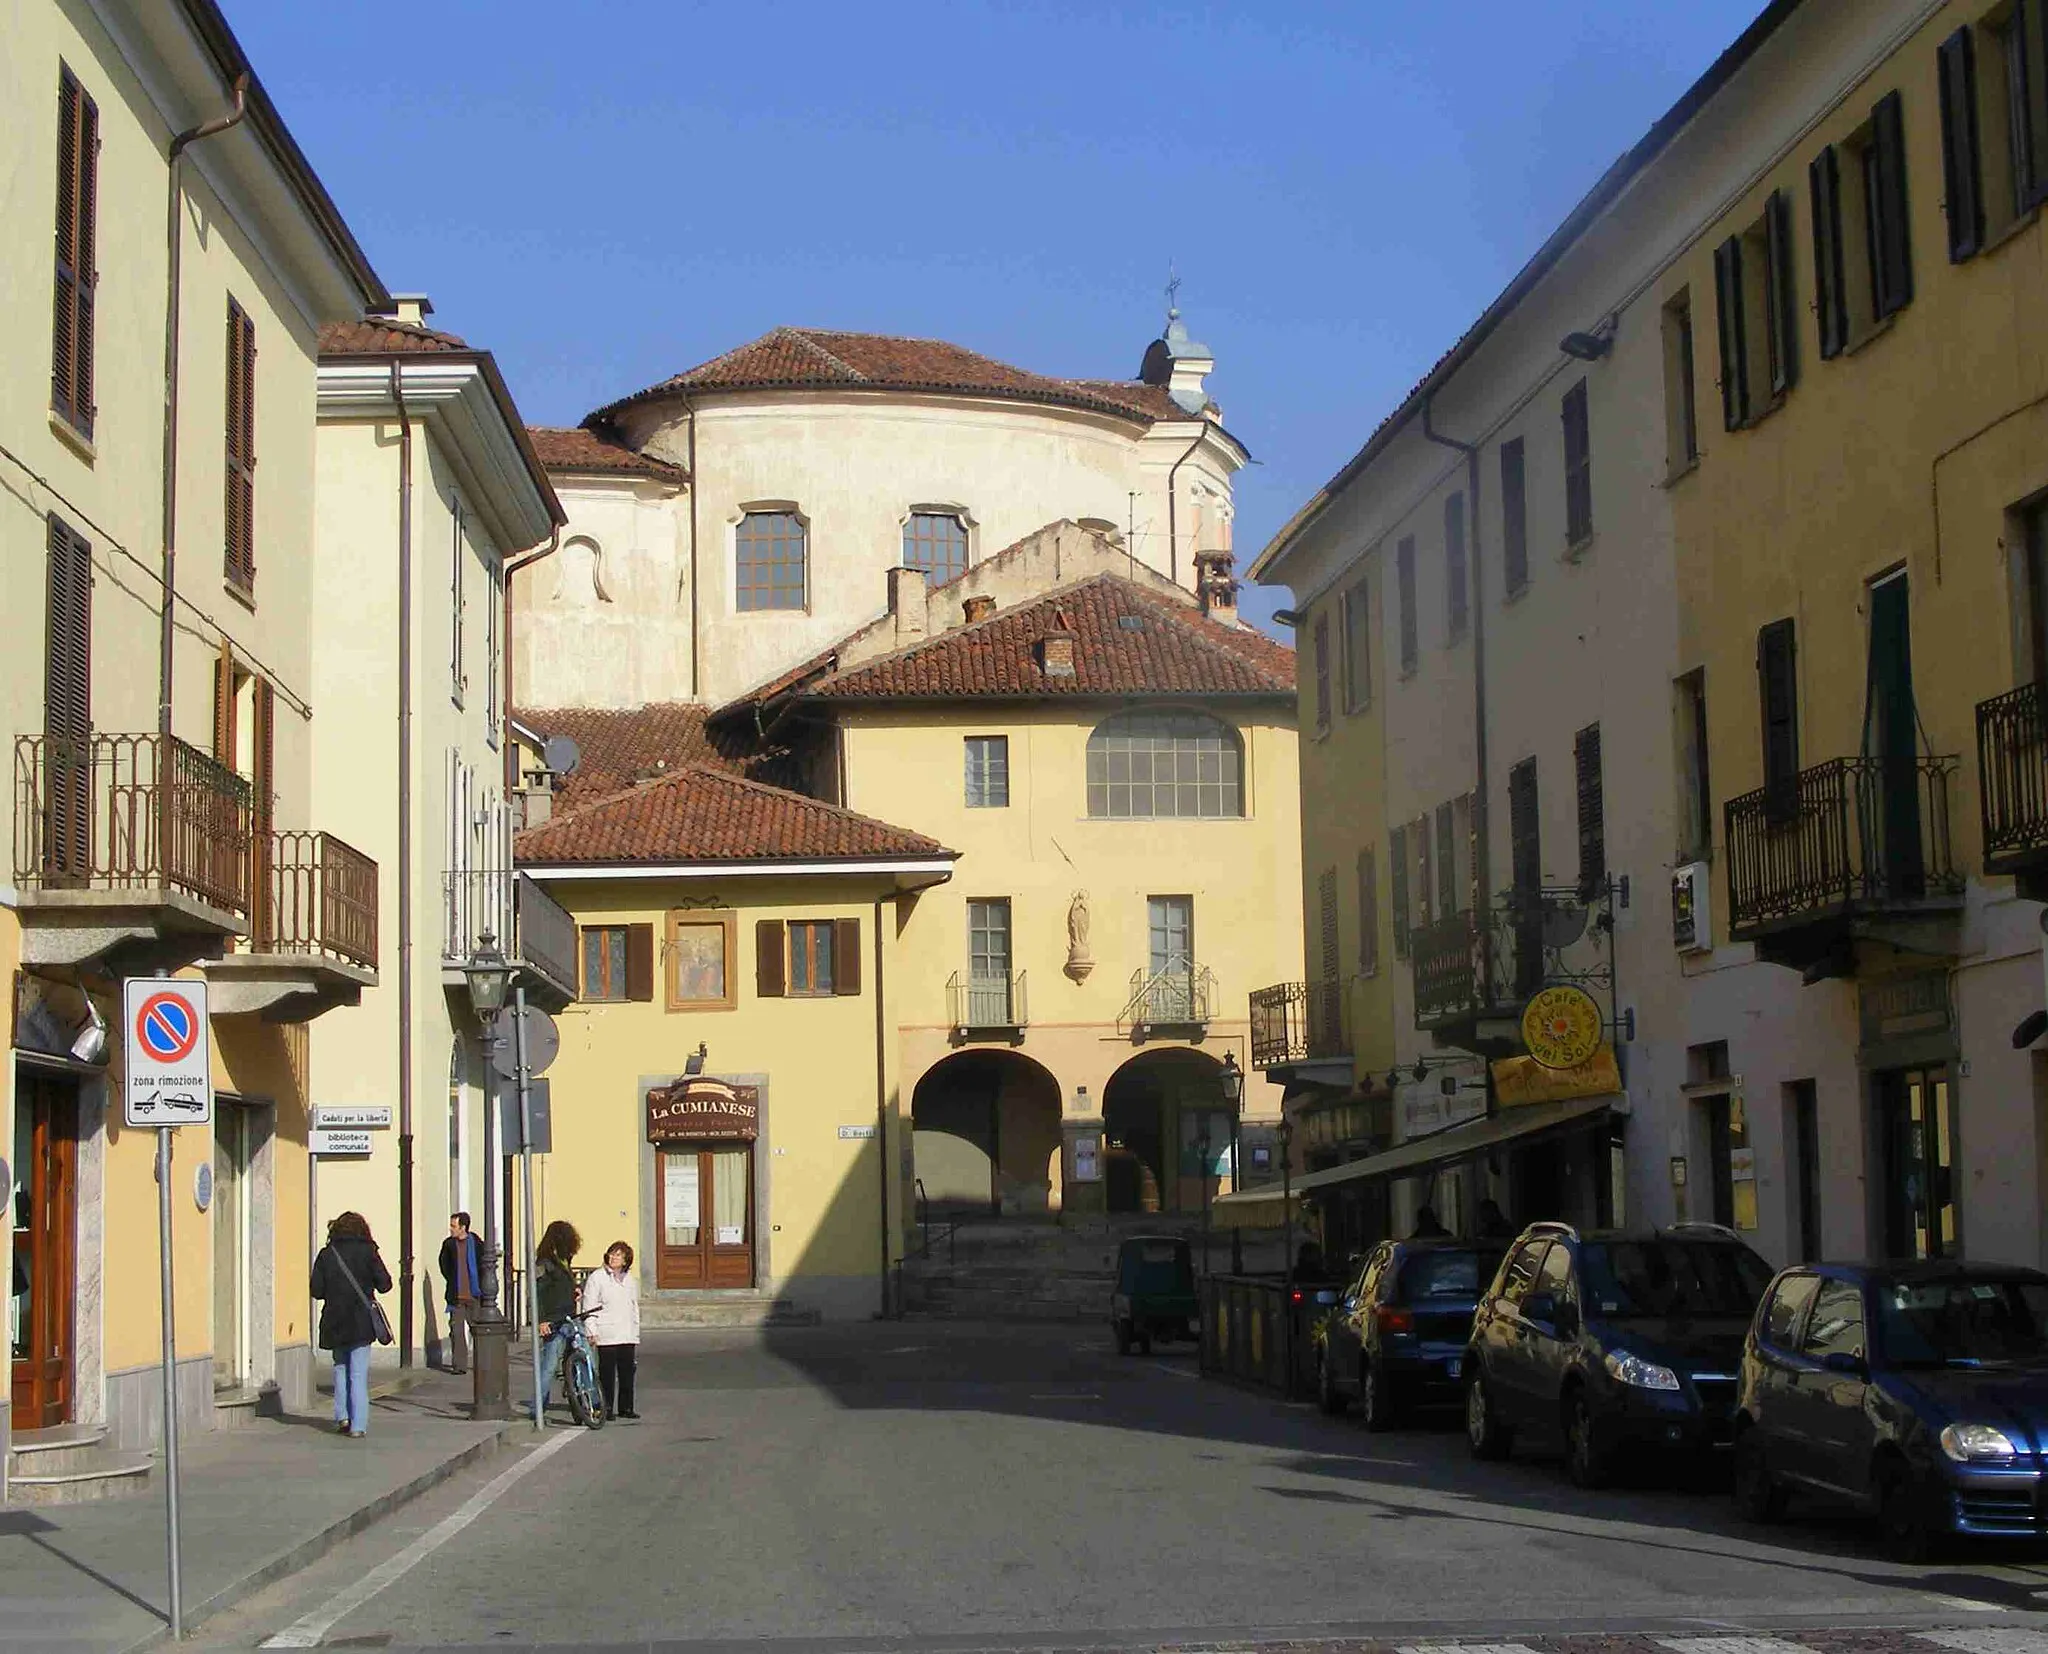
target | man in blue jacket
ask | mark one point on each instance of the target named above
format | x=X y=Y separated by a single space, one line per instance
x=462 y=1271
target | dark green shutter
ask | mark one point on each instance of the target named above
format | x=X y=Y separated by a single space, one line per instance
x=1781 y=296
x=1777 y=689
x=1961 y=172
x=1397 y=871
x=1830 y=289
x=1592 y=811
x=1891 y=232
x=1734 y=341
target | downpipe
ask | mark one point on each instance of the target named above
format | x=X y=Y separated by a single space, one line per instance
x=405 y=1143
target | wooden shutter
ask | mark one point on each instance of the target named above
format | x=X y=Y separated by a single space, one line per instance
x=224 y=730
x=1404 y=580
x=1781 y=294
x=2027 y=45
x=1321 y=645
x=1368 y=914
x=1830 y=286
x=1578 y=464
x=262 y=811
x=1592 y=811
x=1734 y=343
x=1525 y=846
x=1777 y=689
x=67 y=708
x=1457 y=598
x=1514 y=515
x=240 y=551
x=1891 y=241
x=1446 y=861
x=1397 y=871
x=1424 y=888
x=846 y=956
x=639 y=961
x=769 y=962
x=1961 y=169
x=71 y=338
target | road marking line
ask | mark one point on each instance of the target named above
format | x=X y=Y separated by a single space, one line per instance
x=1732 y=1645
x=307 y=1631
x=1068 y=1395
x=1468 y=1648
x=1971 y=1605
x=2001 y=1641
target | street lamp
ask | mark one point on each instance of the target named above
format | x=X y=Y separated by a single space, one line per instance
x=489 y=978
x=489 y=975
x=1232 y=1082
x=1284 y=1135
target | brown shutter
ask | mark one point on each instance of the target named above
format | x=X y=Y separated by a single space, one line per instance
x=1777 y=686
x=1397 y=872
x=846 y=956
x=1321 y=639
x=1368 y=914
x=1891 y=237
x=2028 y=38
x=769 y=964
x=67 y=708
x=71 y=339
x=240 y=557
x=224 y=704
x=1830 y=289
x=263 y=808
x=1781 y=298
x=1592 y=812
x=639 y=961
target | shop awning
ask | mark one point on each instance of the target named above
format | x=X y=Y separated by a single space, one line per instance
x=1444 y=1148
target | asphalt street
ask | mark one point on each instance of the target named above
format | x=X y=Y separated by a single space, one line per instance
x=941 y=1486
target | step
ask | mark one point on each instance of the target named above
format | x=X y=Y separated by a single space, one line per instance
x=61 y=1447
x=237 y=1409
x=89 y=1473
x=725 y=1310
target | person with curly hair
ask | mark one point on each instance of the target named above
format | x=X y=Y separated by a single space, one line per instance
x=555 y=1294
x=345 y=1274
x=612 y=1298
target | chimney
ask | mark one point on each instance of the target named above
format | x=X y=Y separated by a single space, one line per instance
x=411 y=309
x=1056 y=648
x=977 y=608
x=906 y=604
x=1217 y=586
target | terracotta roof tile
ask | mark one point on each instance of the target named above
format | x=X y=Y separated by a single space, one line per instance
x=381 y=336
x=586 y=450
x=707 y=815
x=1127 y=641
x=820 y=358
x=620 y=748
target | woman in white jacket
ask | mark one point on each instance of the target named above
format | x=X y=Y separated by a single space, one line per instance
x=611 y=1301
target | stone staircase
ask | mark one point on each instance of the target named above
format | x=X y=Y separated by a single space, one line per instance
x=724 y=1309
x=71 y=1464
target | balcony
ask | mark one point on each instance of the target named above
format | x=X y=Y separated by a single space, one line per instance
x=1474 y=971
x=1298 y=1022
x=313 y=931
x=983 y=1005
x=2012 y=772
x=1855 y=849
x=1179 y=999
x=506 y=910
x=131 y=852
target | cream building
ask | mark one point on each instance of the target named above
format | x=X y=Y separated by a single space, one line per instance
x=161 y=695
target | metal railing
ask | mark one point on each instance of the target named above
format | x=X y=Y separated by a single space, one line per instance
x=322 y=899
x=1486 y=963
x=505 y=909
x=1258 y=1330
x=987 y=1001
x=2012 y=771
x=1297 y=1021
x=1852 y=833
x=130 y=812
x=1180 y=996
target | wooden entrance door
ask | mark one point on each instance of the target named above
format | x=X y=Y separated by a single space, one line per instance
x=704 y=1215
x=45 y=1269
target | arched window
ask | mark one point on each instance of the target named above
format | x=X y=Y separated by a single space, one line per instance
x=935 y=541
x=1152 y=764
x=770 y=549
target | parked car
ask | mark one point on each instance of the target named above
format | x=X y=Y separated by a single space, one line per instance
x=1155 y=1293
x=1611 y=1343
x=1916 y=1392
x=1396 y=1337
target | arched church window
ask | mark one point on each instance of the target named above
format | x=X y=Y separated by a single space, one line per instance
x=935 y=541
x=1147 y=765
x=771 y=549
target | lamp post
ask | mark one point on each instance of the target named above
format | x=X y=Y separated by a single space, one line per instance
x=1232 y=1082
x=1284 y=1135
x=1202 y=1159
x=489 y=977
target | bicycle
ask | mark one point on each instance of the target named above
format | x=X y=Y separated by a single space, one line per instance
x=579 y=1373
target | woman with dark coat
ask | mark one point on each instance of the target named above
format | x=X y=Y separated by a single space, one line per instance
x=347 y=1328
x=554 y=1285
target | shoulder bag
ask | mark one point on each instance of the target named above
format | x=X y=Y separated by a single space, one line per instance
x=380 y=1323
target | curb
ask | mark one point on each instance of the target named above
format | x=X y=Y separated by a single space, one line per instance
x=309 y=1551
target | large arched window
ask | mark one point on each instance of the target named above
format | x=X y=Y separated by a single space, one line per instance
x=769 y=549
x=935 y=541
x=1151 y=764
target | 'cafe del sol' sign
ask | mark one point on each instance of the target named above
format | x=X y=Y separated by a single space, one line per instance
x=703 y=1110
x=1561 y=1026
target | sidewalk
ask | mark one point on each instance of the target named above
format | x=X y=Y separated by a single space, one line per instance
x=256 y=1503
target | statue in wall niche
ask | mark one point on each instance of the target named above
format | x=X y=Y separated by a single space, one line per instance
x=1079 y=960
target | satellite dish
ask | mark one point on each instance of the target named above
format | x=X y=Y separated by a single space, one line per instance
x=1563 y=924
x=561 y=755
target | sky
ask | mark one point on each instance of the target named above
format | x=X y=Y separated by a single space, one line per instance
x=606 y=193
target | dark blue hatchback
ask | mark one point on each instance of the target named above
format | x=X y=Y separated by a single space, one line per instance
x=1917 y=1392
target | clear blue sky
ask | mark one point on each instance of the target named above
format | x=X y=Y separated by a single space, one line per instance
x=605 y=193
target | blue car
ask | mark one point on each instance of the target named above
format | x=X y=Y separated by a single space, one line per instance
x=1917 y=1392
x=1396 y=1338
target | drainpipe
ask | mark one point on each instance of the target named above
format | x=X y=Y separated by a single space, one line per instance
x=1172 y=530
x=882 y=1112
x=515 y=566
x=696 y=642
x=174 y=244
x=405 y=1214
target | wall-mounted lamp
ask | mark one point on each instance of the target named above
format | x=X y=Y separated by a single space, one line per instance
x=694 y=1062
x=1586 y=347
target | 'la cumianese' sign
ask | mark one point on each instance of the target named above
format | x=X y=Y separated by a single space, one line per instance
x=702 y=1110
x=167 y=1047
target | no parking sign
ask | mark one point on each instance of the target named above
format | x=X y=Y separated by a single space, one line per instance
x=169 y=1052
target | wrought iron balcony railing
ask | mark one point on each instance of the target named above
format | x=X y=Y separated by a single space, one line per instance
x=2012 y=773
x=981 y=1000
x=1850 y=835
x=322 y=898
x=1484 y=965
x=130 y=812
x=505 y=909
x=1297 y=1022
x=1182 y=996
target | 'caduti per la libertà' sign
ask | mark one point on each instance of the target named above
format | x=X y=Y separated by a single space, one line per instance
x=700 y=1110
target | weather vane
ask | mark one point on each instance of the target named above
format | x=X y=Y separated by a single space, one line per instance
x=1172 y=292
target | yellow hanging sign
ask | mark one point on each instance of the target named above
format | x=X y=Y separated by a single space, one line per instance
x=1561 y=1026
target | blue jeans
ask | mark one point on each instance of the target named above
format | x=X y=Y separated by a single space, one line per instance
x=551 y=1348
x=352 y=1388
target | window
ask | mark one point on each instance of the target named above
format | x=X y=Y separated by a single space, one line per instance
x=770 y=551
x=1368 y=915
x=241 y=451
x=1994 y=124
x=935 y=541
x=1525 y=859
x=1170 y=932
x=1555 y=1275
x=1447 y=902
x=1521 y=1272
x=2029 y=581
x=493 y=601
x=1695 y=793
x=1592 y=812
x=1404 y=582
x=1777 y=690
x=1756 y=305
x=458 y=600
x=1514 y=516
x=618 y=962
x=1397 y=870
x=1457 y=597
x=1835 y=1326
x=1424 y=882
x=1578 y=468
x=806 y=958
x=1681 y=415
x=700 y=961
x=1788 y=1303
x=988 y=772
x=1357 y=604
x=77 y=274
x=1862 y=242
x=988 y=942
x=1145 y=765
x=1319 y=648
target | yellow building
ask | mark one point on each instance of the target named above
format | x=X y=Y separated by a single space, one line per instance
x=159 y=692
x=1114 y=768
